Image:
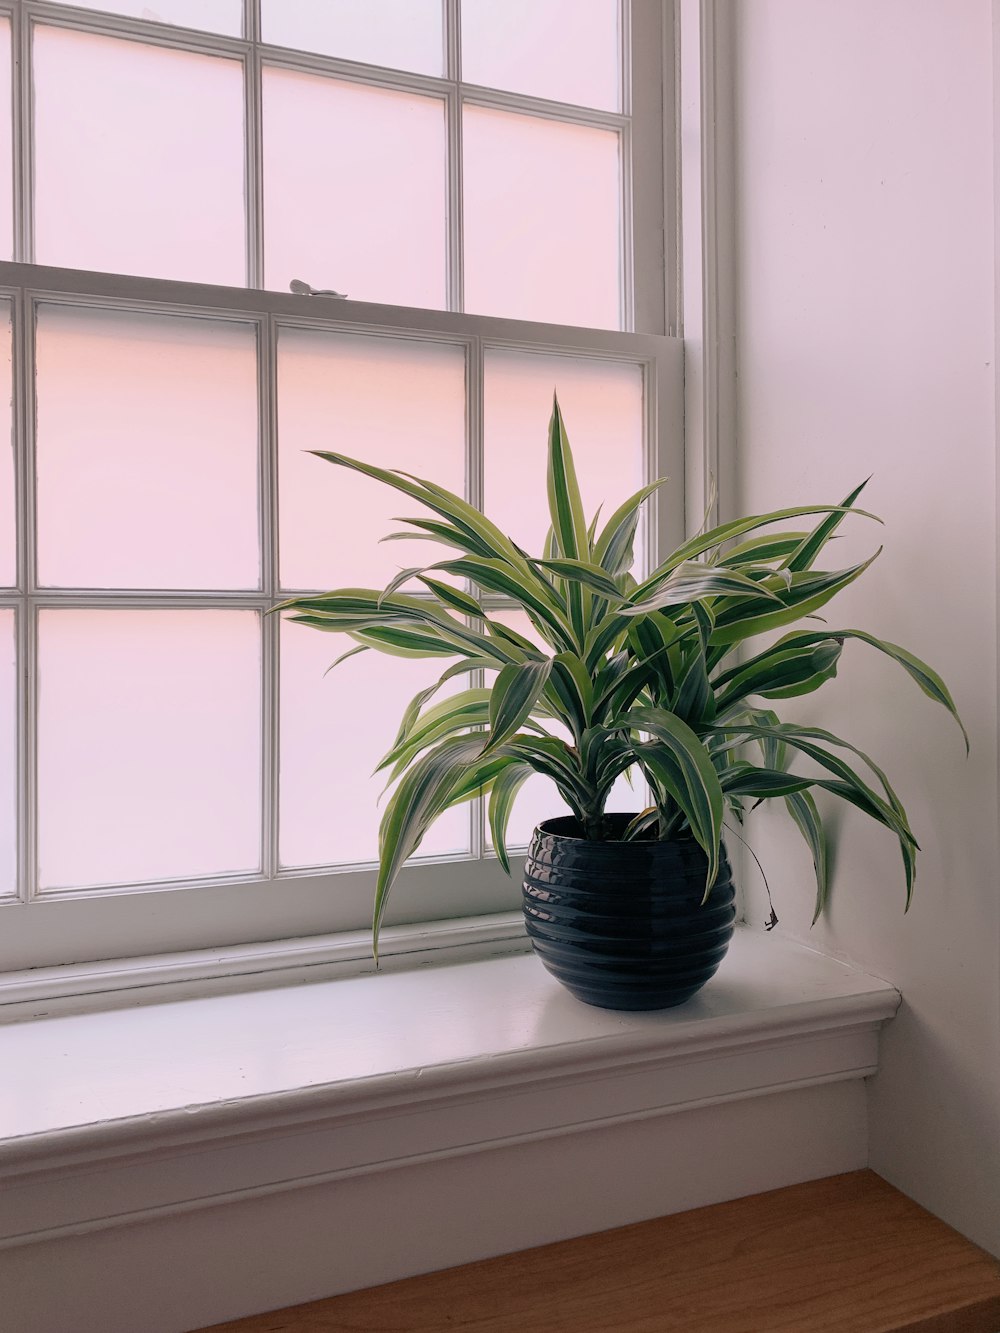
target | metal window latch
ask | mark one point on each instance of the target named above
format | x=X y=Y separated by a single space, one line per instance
x=301 y=288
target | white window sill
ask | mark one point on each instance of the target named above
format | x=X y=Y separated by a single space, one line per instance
x=182 y=1105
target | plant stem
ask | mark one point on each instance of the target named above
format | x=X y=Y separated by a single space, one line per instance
x=593 y=824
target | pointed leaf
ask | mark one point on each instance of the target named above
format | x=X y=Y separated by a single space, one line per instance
x=697 y=784
x=515 y=693
x=802 y=809
x=810 y=547
x=502 y=797
x=692 y=580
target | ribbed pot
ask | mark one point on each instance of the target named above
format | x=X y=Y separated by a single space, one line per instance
x=621 y=924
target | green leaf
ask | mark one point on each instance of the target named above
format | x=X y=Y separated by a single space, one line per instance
x=683 y=760
x=565 y=504
x=351 y=652
x=747 y=780
x=693 y=580
x=726 y=532
x=502 y=796
x=928 y=680
x=809 y=548
x=455 y=598
x=773 y=546
x=554 y=758
x=421 y=795
x=412 y=710
x=613 y=549
x=456 y=713
x=571 y=685
x=431 y=530
x=802 y=809
x=566 y=510
x=783 y=671
x=515 y=693
x=580 y=571
x=695 y=700
x=466 y=519
x=849 y=785
x=534 y=595
x=745 y=617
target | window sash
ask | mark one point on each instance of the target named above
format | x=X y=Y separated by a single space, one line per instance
x=646 y=152
x=82 y=924
x=124 y=921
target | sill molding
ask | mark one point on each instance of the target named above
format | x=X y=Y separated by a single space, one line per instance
x=42 y=992
x=224 y=1098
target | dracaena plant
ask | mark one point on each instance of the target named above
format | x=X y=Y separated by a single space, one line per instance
x=633 y=676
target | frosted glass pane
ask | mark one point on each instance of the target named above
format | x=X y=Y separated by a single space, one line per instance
x=8 y=755
x=154 y=420
x=138 y=159
x=148 y=745
x=394 y=403
x=209 y=15
x=6 y=148
x=566 y=50
x=602 y=407
x=334 y=730
x=542 y=204
x=400 y=34
x=8 y=526
x=358 y=203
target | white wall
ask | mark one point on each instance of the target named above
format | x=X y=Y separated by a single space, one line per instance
x=865 y=257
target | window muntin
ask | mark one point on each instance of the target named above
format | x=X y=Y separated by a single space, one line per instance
x=291 y=892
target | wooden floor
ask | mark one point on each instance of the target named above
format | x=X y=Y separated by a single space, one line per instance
x=844 y=1255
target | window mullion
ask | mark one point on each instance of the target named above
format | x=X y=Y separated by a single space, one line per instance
x=474 y=474
x=649 y=245
x=267 y=382
x=23 y=353
x=254 y=167
x=455 y=204
x=23 y=147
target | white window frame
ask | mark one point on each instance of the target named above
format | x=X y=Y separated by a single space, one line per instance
x=69 y=927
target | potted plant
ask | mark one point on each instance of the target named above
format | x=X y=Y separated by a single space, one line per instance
x=634 y=677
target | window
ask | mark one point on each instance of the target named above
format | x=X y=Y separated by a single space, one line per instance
x=176 y=770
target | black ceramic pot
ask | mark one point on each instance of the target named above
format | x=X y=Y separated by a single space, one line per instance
x=621 y=924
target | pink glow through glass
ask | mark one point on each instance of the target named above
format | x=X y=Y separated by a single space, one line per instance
x=542 y=220
x=139 y=159
x=564 y=50
x=153 y=419
x=399 y=34
x=354 y=189
x=225 y=16
x=334 y=730
x=6 y=147
x=602 y=406
x=148 y=745
x=399 y=404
